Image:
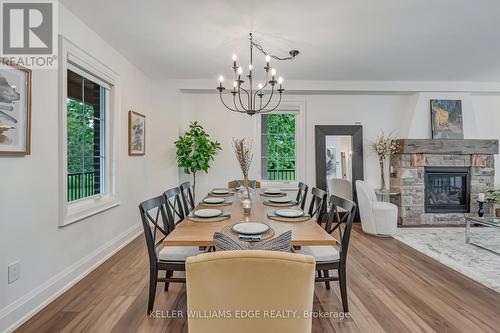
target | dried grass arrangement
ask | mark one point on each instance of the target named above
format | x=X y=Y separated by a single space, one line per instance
x=244 y=154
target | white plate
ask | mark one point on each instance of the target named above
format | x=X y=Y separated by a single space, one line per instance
x=207 y=213
x=289 y=212
x=281 y=200
x=212 y=200
x=272 y=191
x=250 y=228
x=220 y=191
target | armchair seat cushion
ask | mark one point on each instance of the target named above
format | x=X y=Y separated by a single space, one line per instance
x=178 y=253
x=321 y=253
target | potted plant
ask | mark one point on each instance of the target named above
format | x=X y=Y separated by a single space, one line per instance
x=494 y=198
x=195 y=150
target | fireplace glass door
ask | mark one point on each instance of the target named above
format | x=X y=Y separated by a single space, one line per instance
x=447 y=190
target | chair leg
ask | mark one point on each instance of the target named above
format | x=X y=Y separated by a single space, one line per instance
x=343 y=288
x=327 y=275
x=153 y=277
x=319 y=274
x=168 y=274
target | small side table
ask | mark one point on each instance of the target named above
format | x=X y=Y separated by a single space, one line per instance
x=387 y=195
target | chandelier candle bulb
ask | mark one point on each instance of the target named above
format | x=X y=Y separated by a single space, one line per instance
x=260 y=86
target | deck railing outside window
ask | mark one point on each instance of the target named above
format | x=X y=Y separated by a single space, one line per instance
x=81 y=185
x=281 y=174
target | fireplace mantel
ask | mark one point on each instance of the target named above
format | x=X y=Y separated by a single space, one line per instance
x=448 y=146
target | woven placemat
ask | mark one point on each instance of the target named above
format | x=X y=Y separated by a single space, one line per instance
x=275 y=217
x=273 y=195
x=219 y=218
x=284 y=204
x=229 y=232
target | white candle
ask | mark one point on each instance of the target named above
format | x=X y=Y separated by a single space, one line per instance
x=480 y=197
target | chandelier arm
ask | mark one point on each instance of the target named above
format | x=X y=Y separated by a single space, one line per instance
x=239 y=96
x=222 y=100
x=270 y=110
x=269 y=100
x=264 y=87
x=236 y=106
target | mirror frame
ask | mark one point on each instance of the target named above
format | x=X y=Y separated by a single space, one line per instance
x=356 y=132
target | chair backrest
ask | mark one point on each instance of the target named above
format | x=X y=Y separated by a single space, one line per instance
x=302 y=194
x=238 y=183
x=175 y=211
x=187 y=197
x=317 y=207
x=341 y=221
x=271 y=280
x=154 y=220
x=340 y=187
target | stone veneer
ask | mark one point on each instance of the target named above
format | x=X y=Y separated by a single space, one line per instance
x=408 y=171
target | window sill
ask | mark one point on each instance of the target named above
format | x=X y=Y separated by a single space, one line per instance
x=83 y=209
x=283 y=185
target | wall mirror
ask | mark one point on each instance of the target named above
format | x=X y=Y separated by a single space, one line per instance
x=339 y=159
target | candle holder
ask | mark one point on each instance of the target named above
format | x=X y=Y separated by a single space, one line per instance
x=480 y=212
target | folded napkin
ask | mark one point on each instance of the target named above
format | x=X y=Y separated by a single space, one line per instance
x=250 y=237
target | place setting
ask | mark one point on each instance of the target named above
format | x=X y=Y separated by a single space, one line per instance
x=280 y=202
x=221 y=192
x=288 y=215
x=208 y=215
x=249 y=231
x=215 y=202
x=272 y=193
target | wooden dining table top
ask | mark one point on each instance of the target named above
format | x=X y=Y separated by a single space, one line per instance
x=189 y=233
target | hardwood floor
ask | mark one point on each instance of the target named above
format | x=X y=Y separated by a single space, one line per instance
x=392 y=288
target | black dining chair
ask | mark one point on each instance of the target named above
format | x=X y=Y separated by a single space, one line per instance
x=331 y=257
x=187 y=197
x=317 y=207
x=175 y=211
x=157 y=226
x=302 y=194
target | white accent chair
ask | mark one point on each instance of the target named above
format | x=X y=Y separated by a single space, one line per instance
x=340 y=187
x=377 y=217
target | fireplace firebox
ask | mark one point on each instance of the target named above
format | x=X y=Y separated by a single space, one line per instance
x=447 y=190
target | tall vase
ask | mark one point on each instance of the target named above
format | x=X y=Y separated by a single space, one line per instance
x=383 y=186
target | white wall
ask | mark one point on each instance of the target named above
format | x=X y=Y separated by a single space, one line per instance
x=52 y=256
x=405 y=115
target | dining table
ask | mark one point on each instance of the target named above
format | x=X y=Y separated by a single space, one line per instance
x=190 y=233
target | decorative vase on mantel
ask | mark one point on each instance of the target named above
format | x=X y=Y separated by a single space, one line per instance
x=384 y=174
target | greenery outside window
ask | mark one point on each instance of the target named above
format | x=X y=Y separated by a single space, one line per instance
x=278 y=147
x=85 y=121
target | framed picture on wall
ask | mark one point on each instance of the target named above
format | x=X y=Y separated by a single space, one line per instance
x=15 y=109
x=136 y=133
x=446 y=119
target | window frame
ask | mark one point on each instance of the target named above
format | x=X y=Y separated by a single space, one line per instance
x=297 y=108
x=72 y=56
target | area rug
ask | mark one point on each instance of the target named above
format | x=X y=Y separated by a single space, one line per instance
x=447 y=245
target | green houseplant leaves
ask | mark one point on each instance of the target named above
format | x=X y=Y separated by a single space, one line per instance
x=195 y=150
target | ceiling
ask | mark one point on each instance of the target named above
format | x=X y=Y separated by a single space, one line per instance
x=415 y=40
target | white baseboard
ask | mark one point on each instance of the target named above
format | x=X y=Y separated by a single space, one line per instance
x=15 y=314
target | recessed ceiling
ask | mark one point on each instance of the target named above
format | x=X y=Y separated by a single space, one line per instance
x=424 y=40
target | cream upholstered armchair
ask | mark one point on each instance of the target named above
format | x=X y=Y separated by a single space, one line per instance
x=230 y=285
x=377 y=218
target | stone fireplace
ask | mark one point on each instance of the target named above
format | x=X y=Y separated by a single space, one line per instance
x=439 y=180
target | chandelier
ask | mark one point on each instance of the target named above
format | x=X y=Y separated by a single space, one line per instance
x=249 y=100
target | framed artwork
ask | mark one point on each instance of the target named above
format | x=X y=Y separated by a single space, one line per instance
x=15 y=109
x=446 y=119
x=136 y=133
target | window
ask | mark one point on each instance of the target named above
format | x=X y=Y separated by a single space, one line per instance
x=89 y=135
x=278 y=146
x=85 y=144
